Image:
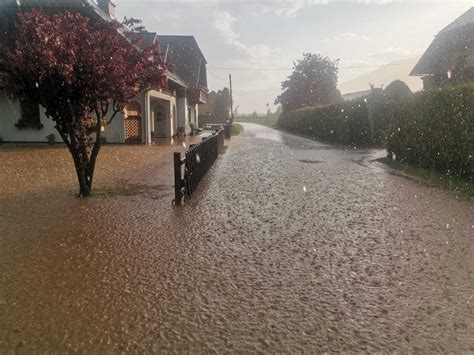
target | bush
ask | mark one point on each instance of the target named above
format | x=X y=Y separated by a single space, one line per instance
x=399 y=89
x=434 y=129
x=51 y=139
x=236 y=129
x=381 y=103
x=344 y=123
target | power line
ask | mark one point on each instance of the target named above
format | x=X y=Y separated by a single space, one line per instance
x=286 y=69
x=215 y=76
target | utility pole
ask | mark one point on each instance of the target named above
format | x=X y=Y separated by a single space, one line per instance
x=231 y=100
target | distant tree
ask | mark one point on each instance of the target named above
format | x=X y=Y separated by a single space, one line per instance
x=398 y=89
x=82 y=71
x=222 y=108
x=312 y=83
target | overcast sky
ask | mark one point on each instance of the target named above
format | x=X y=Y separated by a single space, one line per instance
x=272 y=33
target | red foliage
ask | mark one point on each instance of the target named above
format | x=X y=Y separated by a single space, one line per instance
x=83 y=71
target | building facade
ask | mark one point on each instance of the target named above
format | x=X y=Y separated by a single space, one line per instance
x=163 y=113
x=449 y=60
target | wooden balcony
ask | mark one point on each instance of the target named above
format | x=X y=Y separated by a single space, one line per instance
x=197 y=95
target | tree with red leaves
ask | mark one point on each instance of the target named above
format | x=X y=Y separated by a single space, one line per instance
x=83 y=71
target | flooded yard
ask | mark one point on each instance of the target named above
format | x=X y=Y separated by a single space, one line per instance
x=289 y=246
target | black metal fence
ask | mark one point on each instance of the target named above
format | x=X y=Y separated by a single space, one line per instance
x=198 y=159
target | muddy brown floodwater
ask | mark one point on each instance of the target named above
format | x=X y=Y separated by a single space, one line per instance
x=289 y=246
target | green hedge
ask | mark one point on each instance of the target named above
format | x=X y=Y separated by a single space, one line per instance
x=343 y=123
x=432 y=129
x=435 y=129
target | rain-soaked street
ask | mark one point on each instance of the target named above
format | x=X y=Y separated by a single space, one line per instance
x=289 y=246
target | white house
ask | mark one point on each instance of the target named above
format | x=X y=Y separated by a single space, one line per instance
x=152 y=114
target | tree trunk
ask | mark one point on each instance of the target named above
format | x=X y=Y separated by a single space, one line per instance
x=84 y=164
x=84 y=181
x=84 y=172
x=79 y=149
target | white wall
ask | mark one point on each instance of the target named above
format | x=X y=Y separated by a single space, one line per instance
x=183 y=114
x=115 y=131
x=10 y=114
x=193 y=110
x=196 y=112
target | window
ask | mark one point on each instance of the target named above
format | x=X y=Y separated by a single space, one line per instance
x=30 y=115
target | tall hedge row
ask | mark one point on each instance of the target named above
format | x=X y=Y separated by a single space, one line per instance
x=435 y=129
x=343 y=123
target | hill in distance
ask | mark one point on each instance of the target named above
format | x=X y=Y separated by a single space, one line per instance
x=384 y=76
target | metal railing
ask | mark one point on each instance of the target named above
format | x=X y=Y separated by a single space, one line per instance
x=197 y=161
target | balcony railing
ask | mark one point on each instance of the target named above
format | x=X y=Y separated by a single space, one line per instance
x=197 y=95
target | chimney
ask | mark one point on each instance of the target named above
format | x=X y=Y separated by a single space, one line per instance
x=107 y=6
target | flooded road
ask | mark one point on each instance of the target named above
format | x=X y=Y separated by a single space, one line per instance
x=289 y=246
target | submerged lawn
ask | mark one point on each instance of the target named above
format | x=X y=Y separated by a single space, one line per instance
x=464 y=187
x=269 y=121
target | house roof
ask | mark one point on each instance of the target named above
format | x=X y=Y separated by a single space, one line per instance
x=184 y=58
x=58 y=4
x=454 y=41
x=148 y=39
x=185 y=42
x=186 y=62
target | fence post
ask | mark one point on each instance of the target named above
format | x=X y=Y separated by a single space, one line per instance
x=227 y=131
x=178 y=194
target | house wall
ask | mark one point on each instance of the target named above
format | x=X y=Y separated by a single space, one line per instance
x=181 y=107
x=10 y=114
x=187 y=113
x=115 y=131
x=194 y=115
x=176 y=113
